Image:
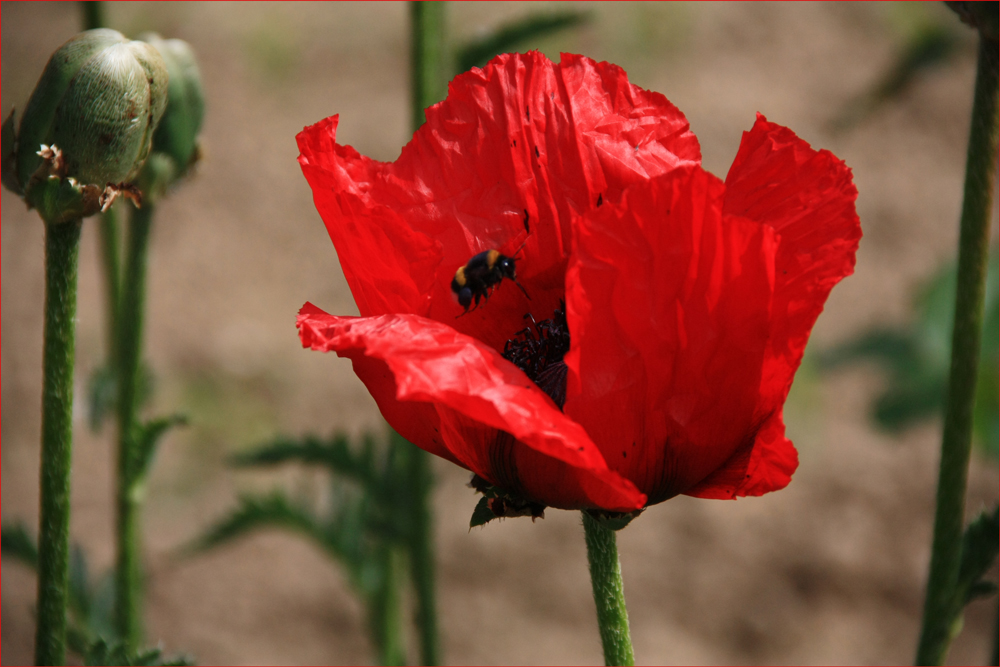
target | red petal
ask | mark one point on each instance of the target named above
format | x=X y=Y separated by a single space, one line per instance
x=669 y=309
x=765 y=465
x=521 y=137
x=807 y=196
x=457 y=398
x=389 y=265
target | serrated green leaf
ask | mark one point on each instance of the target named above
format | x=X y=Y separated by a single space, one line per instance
x=256 y=512
x=979 y=550
x=149 y=437
x=981 y=589
x=478 y=52
x=482 y=514
x=18 y=544
x=335 y=454
x=102 y=652
x=917 y=359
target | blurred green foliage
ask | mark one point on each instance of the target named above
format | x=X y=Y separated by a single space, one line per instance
x=917 y=359
x=928 y=39
x=515 y=34
x=365 y=525
x=90 y=632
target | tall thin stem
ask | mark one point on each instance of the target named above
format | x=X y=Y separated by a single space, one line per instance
x=427 y=57
x=62 y=246
x=609 y=593
x=422 y=556
x=128 y=569
x=93 y=14
x=427 y=25
x=112 y=284
x=942 y=608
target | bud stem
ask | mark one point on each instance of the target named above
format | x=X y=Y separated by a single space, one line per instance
x=128 y=569
x=942 y=609
x=111 y=265
x=609 y=593
x=62 y=245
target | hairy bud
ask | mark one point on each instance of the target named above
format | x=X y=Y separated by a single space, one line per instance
x=177 y=134
x=99 y=101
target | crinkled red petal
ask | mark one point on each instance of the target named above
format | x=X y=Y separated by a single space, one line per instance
x=456 y=397
x=515 y=150
x=808 y=197
x=669 y=306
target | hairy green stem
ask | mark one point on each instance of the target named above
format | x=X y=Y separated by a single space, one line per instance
x=609 y=594
x=422 y=556
x=387 y=609
x=112 y=283
x=427 y=25
x=427 y=57
x=128 y=573
x=62 y=246
x=942 y=608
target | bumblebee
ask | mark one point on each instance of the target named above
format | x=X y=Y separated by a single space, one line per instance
x=481 y=274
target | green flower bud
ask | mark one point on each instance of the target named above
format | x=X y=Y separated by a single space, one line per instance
x=177 y=134
x=99 y=100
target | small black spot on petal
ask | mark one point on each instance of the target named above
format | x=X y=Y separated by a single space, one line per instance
x=537 y=154
x=600 y=199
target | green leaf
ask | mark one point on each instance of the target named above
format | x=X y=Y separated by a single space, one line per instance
x=335 y=454
x=100 y=652
x=477 y=53
x=18 y=544
x=929 y=47
x=8 y=157
x=482 y=514
x=917 y=357
x=149 y=437
x=979 y=550
x=256 y=512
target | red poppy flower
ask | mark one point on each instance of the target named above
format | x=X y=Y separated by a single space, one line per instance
x=672 y=309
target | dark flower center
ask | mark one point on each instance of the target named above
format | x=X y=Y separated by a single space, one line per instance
x=538 y=350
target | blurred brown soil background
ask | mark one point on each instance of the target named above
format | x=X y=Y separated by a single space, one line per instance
x=830 y=570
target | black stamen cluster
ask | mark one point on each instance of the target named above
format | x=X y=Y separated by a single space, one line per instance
x=538 y=350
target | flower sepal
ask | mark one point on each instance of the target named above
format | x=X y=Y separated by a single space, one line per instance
x=8 y=157
x=60 y=198
x=614 y=520
x=498 y=504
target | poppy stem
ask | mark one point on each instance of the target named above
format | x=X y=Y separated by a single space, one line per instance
x=62 y=249
x=388 y=621
x=93 y=14
x=94 y=17
x=127 y=569
x=422 y=554
x=609 y=594
x=427 y=57
x=112 y=281
x=942 y=606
